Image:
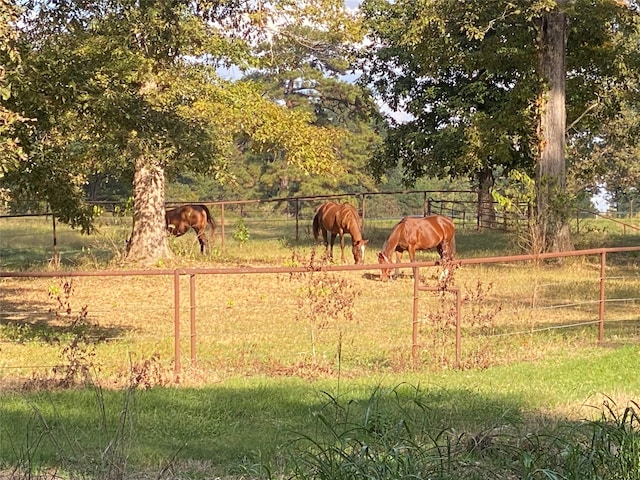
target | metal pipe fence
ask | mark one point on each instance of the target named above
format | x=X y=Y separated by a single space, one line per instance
x=198 y=300
x=375 y=208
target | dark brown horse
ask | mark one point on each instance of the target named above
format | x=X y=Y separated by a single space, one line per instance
x=179 y=220
x=418 y=233
x=337 y=220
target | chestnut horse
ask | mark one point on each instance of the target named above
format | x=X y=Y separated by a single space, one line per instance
x=418 y=233
x=180 y=219
x=337 y=220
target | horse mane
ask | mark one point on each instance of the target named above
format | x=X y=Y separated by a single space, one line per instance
x=351 y=212
x=394 y=238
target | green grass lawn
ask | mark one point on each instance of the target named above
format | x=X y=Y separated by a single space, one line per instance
x=248 y=424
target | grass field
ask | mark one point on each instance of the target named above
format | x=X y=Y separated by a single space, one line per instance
x=275 y=379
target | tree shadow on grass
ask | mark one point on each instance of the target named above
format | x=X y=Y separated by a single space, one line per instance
x=40 y=322
x=227 y=426
x=266 y=426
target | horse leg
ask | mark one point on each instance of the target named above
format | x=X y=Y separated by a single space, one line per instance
x=333 y=240
x=412 y=257
x=445 y=250
x=342 y=247
x=398 y=260
x=202 y=239
x=204 y=243
x=325 y=238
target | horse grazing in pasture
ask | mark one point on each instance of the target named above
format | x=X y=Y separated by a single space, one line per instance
x=418 y=233
x=180 y=219
x=335 y=219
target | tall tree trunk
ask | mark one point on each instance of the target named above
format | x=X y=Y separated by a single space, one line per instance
x=148 y=241
x=552 y=216
x=486 y=212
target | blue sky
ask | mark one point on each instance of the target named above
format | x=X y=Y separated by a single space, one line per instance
x=234 y=73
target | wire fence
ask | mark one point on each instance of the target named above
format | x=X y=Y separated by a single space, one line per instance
x=313 y=320
x=274 y=219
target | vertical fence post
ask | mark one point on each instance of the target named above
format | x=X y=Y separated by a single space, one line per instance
x=297 y=218
x=458 y=326
x=603 y=267
x=414 y=326
x=176 y=325
x=56 y=256
x=192 y=317
x=222 y=226
x=364 y=212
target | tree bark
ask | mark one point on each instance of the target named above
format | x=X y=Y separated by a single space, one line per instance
x=486 y=212
x=552 y=215
x=148 y=242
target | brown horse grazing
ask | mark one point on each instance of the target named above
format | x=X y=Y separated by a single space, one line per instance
x=179 y=220
x=338 y=220
x=418 y=233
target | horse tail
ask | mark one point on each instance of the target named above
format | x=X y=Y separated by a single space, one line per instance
x=316 y=226
x=452 y=246
x=452 y=240
x=210 y=219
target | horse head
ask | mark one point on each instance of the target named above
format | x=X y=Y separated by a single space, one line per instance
x=385 y=273
x=358 y=248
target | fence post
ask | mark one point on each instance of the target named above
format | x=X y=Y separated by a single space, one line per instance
x=603 y=266
x=176 y=325
x=364 y=212
x=56 y=257
x=222 y=226
x=458 y=326
x=297 y=218
x=192 y=317
x=414 y=329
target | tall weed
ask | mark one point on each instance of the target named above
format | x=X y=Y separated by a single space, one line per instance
x=385 y=438
x=390 y=437
x=324 y=298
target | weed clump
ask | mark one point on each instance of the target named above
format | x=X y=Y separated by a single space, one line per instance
x=391 y=435
x=324 y=299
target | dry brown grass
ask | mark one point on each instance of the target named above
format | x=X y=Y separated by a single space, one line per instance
x=271 y=323
x=250 y=324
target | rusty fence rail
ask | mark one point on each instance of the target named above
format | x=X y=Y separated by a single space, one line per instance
x=192 y=273
x=601 y=252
